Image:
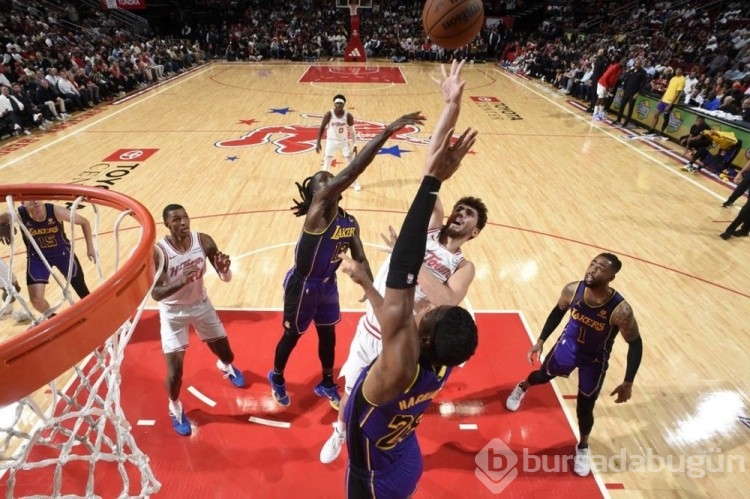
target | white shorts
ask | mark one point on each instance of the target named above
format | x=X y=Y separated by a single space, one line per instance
x=601 y=91
x=175 y=324
x=338 y=145
x=364 y=349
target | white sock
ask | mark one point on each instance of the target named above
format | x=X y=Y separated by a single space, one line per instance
x=222 y=365
x=340 y=427
x=175 y=407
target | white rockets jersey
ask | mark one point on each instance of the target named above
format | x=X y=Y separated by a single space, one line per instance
x=338 y=129
x=193 y=291
x=439 y=261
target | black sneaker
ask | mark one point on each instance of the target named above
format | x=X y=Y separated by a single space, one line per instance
x=741 y=233
x=725 y=236
x=726 y=205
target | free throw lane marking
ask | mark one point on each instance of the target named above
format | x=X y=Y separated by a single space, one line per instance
x=201 y=397
x=269 y=422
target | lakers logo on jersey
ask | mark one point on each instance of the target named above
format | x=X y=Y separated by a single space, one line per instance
x=343 y=232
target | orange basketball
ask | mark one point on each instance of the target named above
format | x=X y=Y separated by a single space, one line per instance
x=452 y=23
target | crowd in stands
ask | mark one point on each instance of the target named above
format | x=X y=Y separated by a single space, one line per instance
x=710 y=42
x=60 y=58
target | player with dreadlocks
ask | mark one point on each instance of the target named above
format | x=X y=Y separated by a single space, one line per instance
x=310 y=290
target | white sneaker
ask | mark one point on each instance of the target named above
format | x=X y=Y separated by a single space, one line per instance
x=332 y=448
x=21 y=316
x=581 y=465
x=515 y=398
x=356 y=186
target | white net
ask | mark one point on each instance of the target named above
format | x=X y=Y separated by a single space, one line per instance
x=72 y=438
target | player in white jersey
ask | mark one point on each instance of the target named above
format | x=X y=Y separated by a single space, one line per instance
x=183 y=301
x=444 y=279
x=340 y=135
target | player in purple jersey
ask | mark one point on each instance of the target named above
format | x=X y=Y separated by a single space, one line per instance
x=392 y=394
x=44 y=222
x=597 y=314
x=310 y=289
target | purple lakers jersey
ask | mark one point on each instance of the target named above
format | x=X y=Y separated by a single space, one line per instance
x=380 y=435
x=316 y=255
x=589 y=328
x=49 y=234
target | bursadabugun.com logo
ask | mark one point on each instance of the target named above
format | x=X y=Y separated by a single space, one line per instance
x=498 y=465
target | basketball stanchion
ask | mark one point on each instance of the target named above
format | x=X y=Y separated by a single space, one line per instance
x=76 y=440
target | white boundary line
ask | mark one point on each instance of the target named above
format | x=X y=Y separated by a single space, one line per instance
x=86 y=126
x=146 y=422
x=568 y=415
x=197 y=394
x=626 y=142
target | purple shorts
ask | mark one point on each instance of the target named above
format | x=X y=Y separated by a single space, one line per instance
x=398 y=481
x=309 y=300
x=564 y=357
x=662 y=107
x=37 y=273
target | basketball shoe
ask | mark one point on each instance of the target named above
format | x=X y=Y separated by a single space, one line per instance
x=581 y=465
x=332 y=394
x=180 y=424
x=332 y=448
x=231 y=372
x=278 y=391
x=515 y=398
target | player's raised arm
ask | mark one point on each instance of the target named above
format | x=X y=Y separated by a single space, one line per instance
x=331 y=191
x=397 y=364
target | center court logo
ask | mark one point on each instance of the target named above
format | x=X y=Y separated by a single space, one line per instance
x=496 y=466
x=302 y=138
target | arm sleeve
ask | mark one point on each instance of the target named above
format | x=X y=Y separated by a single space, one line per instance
x=408 y=253
x=553 y=320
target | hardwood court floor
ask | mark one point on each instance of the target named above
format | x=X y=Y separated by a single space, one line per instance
x=230 y=140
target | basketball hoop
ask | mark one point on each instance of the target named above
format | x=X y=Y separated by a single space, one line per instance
x=85 y=423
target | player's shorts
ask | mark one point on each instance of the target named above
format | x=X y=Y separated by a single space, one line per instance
x=37 y=273
x=176 y=320
x=601 y=91
x=338 y=145
x=662 y=107
x=308 y=300
x=398 y=481
x=565 y=357
x=364 y=349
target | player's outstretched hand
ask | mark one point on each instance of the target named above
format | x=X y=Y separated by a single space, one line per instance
x=623 y=392
x=536 y=349
x=447 y=159
x=222 y=262
x=390 y=239
x=414 y=118
x=354 y=269
x=451 y=84
x=5 y=233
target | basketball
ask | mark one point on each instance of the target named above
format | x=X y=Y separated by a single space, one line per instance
x=452 y=23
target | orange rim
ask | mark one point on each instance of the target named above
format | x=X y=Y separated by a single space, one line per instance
x=31 y=359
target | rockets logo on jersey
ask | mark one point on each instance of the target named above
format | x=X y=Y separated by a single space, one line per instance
x=298 y=139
